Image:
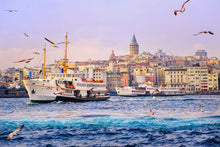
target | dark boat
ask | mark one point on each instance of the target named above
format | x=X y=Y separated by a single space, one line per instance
x=13 y=92
x=66 y=98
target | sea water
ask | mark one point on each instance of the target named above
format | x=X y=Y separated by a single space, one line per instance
x=119 y=121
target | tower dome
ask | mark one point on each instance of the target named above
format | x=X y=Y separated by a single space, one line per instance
x=112 y=56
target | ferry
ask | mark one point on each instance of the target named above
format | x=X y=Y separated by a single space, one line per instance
x=67 y=86
x=165 y=91
x=172 y=91
x=130 y=91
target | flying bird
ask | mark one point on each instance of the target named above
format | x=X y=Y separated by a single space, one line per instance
x=151 y=113
x=59 y=90
x=37 y=53
x=25 y=34
x=54 y=44
x=15 y=132
x=182 y=8
x=201 y=108
x=11 y=10
x=24 y=60
x=204 y=32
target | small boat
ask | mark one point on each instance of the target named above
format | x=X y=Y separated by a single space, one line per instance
x=6 y=92
x=130 y=91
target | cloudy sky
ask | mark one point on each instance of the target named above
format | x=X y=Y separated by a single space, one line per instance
x=96 y=27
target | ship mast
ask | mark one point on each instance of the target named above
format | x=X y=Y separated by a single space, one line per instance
x=161 y=83
x=65 y=57
x=44 y=62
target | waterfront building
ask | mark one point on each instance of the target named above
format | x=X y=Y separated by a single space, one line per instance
x=139 y=74
x=113 y=80
x=213 y=81
x=176 y=77
x=125 y=79
x=197 y=78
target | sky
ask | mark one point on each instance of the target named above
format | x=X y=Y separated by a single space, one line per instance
x=96 y=27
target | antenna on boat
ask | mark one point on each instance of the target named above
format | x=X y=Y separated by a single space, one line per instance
x=65 y=57
x=44 y=62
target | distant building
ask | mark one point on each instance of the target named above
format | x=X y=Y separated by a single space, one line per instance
x=202 y=54
x=160 y=53
x=134 y=47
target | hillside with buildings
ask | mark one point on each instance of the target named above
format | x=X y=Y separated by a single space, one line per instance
x=194 y=73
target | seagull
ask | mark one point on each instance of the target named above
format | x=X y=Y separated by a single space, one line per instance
x=154 y=98
x=24 y=60
x=183 y=112
x=59 y=89
x=26 y=34
x=14 y=132
x=204 y=32
x=172 y=113
x=151 y=113
x=11 y=10
x=201 y=108
x=54 y=44
x=37 y=53
x=182 y=8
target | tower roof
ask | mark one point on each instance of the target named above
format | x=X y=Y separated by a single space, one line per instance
x=133 y=41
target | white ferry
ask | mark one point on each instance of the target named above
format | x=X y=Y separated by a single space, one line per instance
x=164 y=91
x=130 y=91
x=65 y=87
x=172 y=91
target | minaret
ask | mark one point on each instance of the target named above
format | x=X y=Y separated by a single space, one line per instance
x=134 y=47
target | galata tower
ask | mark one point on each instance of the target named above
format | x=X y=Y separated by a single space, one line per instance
x=134 y=47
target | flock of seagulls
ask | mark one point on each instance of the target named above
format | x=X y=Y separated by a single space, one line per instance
x=183 y=10
x=37 y=53
x=172 y=113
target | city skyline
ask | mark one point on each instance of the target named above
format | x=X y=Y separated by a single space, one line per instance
x=95 y=28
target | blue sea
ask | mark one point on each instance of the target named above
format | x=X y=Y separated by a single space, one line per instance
x=119 y=121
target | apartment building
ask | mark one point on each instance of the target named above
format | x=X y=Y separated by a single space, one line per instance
x=176 y=77
x=197 y=77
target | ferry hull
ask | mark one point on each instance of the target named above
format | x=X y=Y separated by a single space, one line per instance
x=38 y=92
x=81 y=99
